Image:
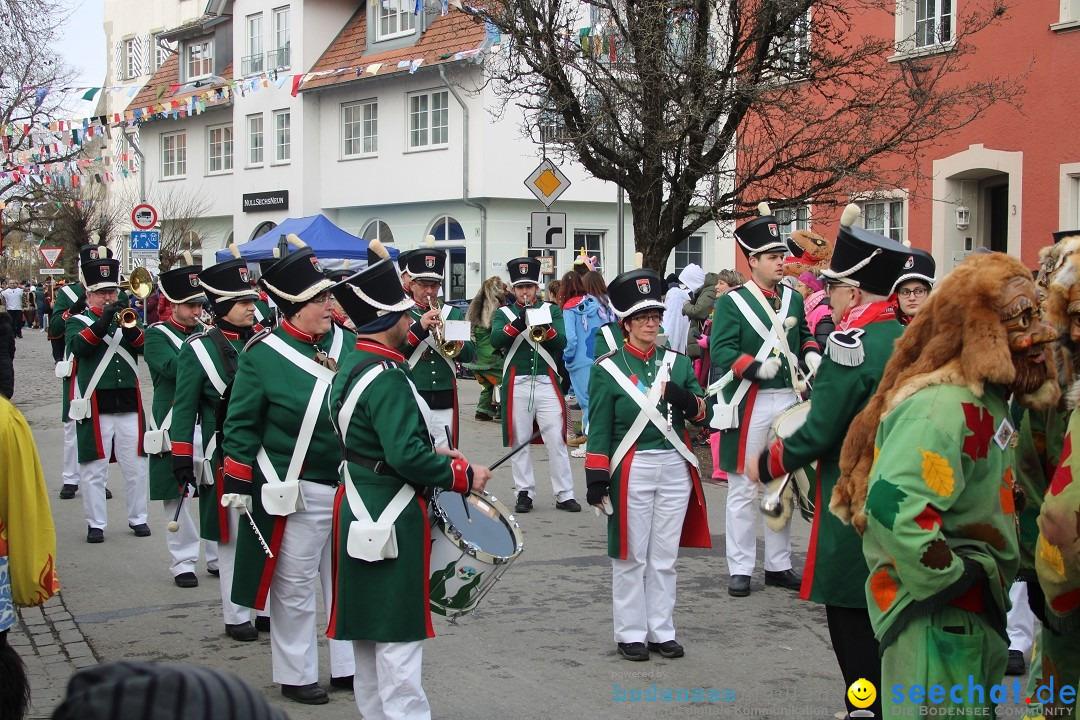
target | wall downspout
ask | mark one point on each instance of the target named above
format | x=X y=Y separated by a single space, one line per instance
x=465 y=174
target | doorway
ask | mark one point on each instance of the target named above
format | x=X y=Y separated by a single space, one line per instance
x=997 y=232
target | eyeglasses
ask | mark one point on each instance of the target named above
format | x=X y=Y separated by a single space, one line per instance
x=908 y=292
x=323 y=298
x=832 y=285
x=646 y=318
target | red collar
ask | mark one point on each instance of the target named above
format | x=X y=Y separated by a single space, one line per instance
x=638 y=353
x=863 y=315
x=178 y=326
x=766 y=293
x=422 y=308
x=95 y=311
x=379 y=349
x=229 y=335
x=298 y=333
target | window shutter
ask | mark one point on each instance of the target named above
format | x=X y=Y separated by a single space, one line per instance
x=142 y=49
x=118 y=153
x=118 y=61
x=133 y=141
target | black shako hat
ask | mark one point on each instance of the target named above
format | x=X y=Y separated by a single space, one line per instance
x=865 y=259
x=919 y=266
x=524 y=271
x=426 y=264
x=181 y=285
x=760 y=235
x=371 y=294
x=91 y=252
x=228 y=280
x=101 y=274
x=296 y=278
x=634 y=291
x=403 y=259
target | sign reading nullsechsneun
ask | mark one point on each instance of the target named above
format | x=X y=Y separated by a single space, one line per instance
x=273 y=200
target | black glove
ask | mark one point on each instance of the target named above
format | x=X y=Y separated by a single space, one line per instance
x=78 y=306
x=681 y=398
x=520 y=323
x=598 y=483
x=183 y=471
x=131 y=334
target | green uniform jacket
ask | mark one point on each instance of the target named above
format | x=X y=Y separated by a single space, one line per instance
x=940 y=505
x=89 y=352
x=734 y=342
x=526 y=360
x=263 y=312
x=612 y=411
x=266 y=409
x=161 y=350
x=386 y=601
x=1057 y=553
x=64 y=299
x=429 y=369
x=609 y=338
x=199 y=402
x=485 y=357
x=1042 y=433
x=835 y=572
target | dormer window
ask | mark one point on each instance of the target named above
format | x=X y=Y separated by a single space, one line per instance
x=199 y=57
x=394 y=18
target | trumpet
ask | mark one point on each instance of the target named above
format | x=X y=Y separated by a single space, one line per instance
x=127 y=318
x=537 y=333
x=447 y=348
x=140 y=283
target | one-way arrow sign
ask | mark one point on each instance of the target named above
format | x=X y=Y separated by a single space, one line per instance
x=548 y=231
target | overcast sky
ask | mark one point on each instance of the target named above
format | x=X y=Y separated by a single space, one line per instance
x=83 y=47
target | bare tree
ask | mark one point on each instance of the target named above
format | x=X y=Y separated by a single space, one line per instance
x=701 y=108
x=180 y=208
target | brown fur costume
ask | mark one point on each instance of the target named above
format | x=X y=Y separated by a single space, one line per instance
x=810 y=252
x=489 y=298
x=956 y=339
x=1059 y=273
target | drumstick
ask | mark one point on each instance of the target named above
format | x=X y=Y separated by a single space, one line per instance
x=174 y=525
x=513 y=451
x=464 y=502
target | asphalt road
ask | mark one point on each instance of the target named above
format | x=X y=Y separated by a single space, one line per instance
x=539 y=646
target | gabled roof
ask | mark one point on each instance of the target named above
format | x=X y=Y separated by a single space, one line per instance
x=447 y=36
x=163 y=87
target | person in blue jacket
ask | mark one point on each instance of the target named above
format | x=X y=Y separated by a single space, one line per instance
x=582 y=323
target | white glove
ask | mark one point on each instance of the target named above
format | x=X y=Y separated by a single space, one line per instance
x=235 y=500
x=813 y=362
x=768 y=369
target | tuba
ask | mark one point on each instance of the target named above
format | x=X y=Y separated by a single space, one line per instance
x=447 y=348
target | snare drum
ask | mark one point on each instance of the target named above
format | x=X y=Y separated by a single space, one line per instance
x=469 y=553
x=783 y=427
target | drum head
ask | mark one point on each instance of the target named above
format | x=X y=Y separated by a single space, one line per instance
x=484 y=527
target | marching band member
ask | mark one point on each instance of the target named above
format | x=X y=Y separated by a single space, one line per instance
x=281 y=467
x=530 y=386
x=381 y=600
x=105 y=399
x=433 y=373
x=927 y=475
x=403 y=270
x=70 y=298
x=204 y=374
x=640 y=457
x=914 y=284
x=860 y=277
x=180 y=286
x=757 y=330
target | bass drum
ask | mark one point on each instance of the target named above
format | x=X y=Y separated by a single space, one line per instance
x=473 y=541
x=783 y=427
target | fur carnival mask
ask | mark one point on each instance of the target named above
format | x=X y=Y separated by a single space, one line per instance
x=809 y=252
x=958 y=338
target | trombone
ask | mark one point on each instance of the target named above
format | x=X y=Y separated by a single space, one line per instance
x=139 y=283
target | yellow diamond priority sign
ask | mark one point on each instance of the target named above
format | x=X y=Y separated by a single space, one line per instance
x=547 y=183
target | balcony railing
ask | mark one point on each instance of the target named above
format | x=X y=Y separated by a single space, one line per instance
x=252 y=64
x=279 y=58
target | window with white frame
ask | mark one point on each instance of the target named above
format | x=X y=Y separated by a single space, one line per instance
x=219 y=152
x=792 y=218
x=200 y=59
x=279 y=55
x=429 y=120
x=689 y=252
x=360 y=128
x=1070 y=15
x=131 y=58
x=254 y=61
x=162 y=50
x=378 y=230
x=933 y=22
x=885 y=217
x=255 y=139
x=174 y=154
x=593 y=242
x=793 y=48
x=394 y=18
x=282 y=136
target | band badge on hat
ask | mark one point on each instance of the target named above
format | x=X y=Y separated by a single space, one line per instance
x=193 y=278
x=644 y=286
x=429 y=261
x=774 y=229
x=910 y=263
x=243 y=274
x=523 y=268
x=105 y=271
x=315 y=263
x=93 y=253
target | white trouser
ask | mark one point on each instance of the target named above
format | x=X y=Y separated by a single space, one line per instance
x=387 y=684
x=226 y=558
x=305 y=551
x=742 y=497
x=183 y=544
x=119 y=437
x=547 y=411
x=643 y=585
x=440 y=420
x=71 y=454
x=1021 y=621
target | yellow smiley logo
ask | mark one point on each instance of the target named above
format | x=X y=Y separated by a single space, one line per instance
x=862 y=693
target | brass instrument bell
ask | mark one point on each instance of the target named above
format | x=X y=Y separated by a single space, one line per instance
x=447 y=348
x=127 y=318
x=139 y=283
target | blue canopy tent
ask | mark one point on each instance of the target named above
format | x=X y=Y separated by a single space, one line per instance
x=331 y=244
